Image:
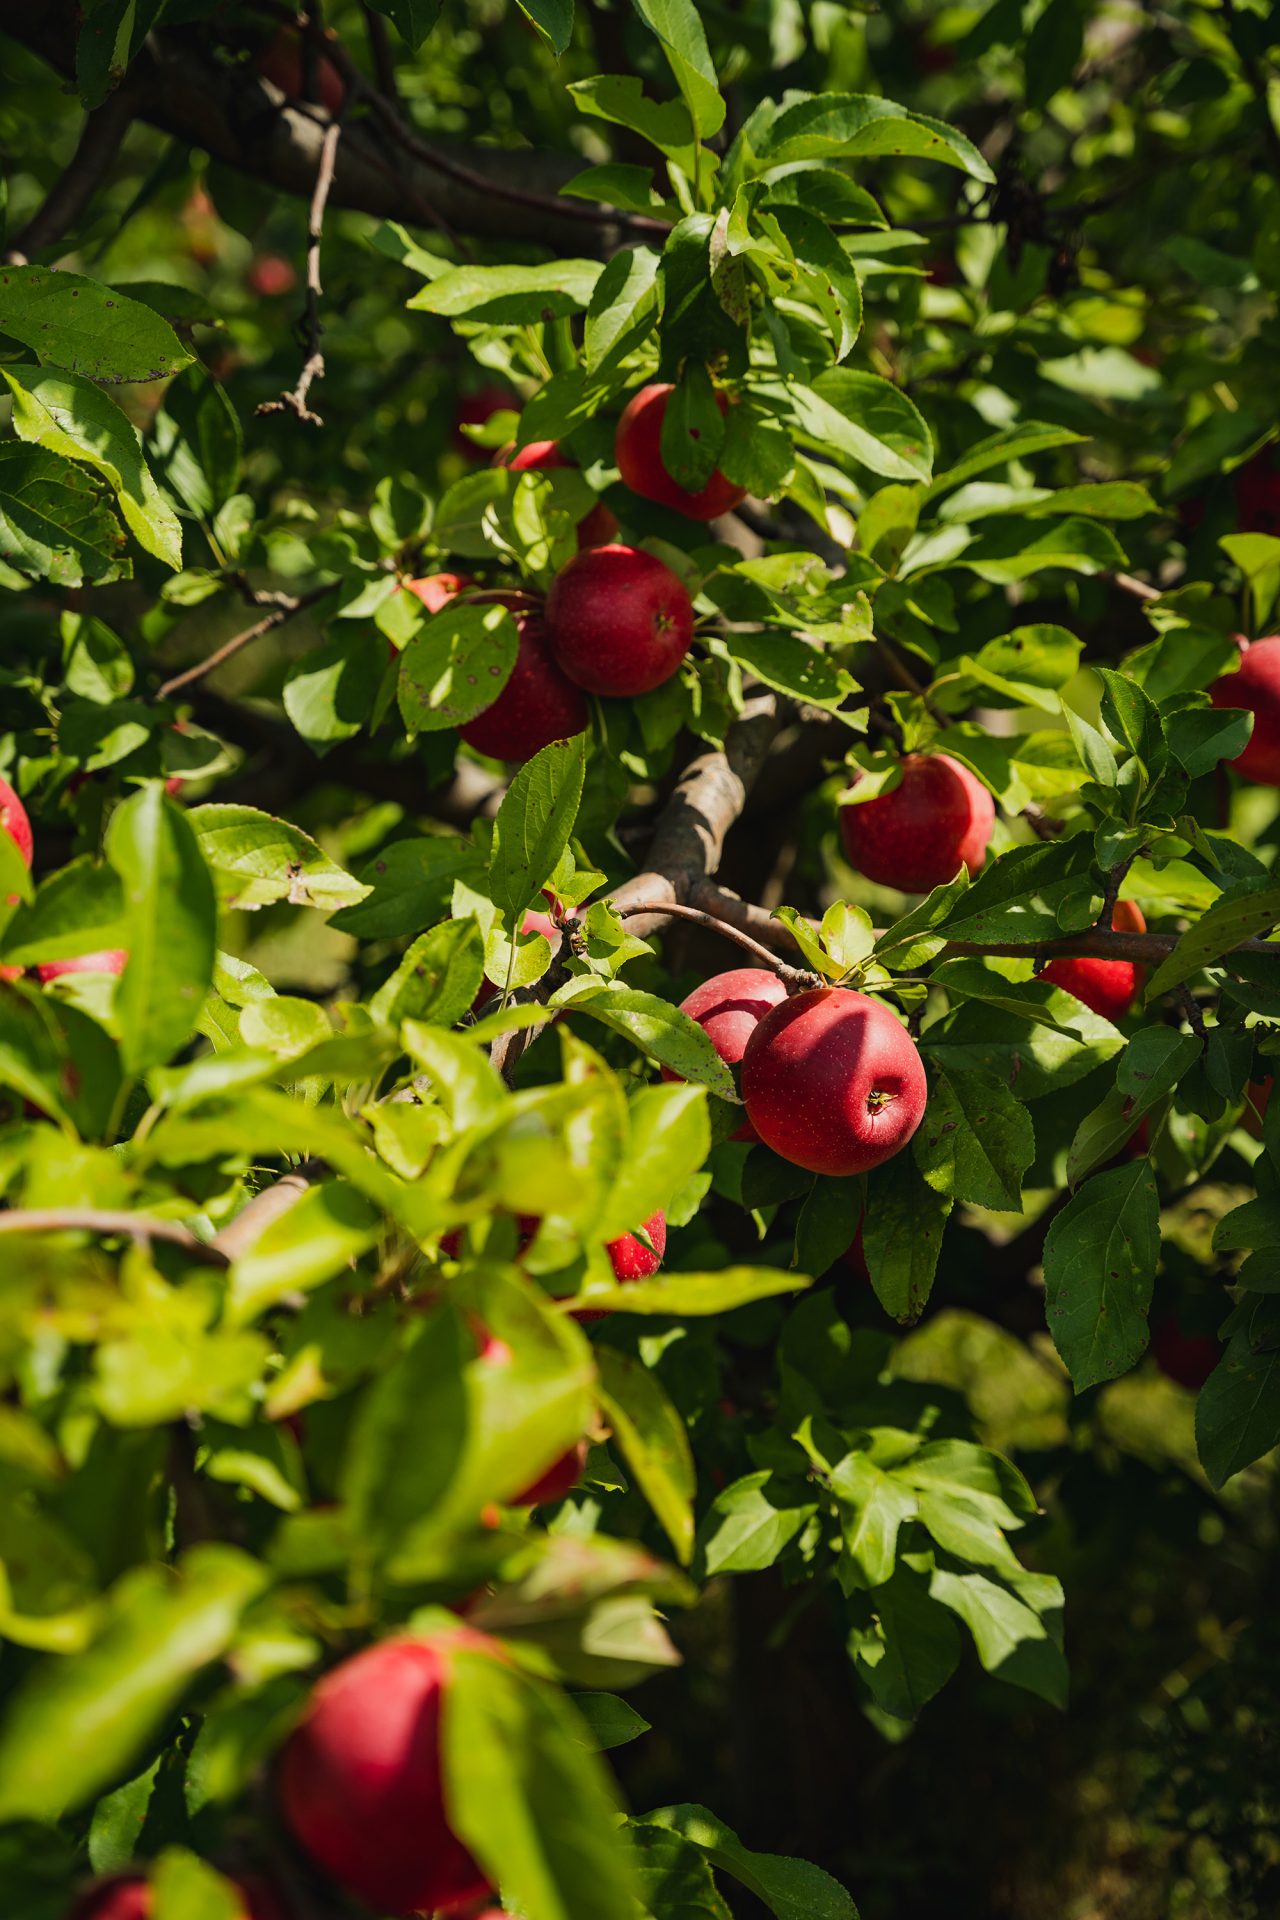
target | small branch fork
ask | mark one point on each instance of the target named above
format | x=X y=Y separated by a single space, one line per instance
x=295 y=399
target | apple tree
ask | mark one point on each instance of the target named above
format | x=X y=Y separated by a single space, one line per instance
x=638 y=772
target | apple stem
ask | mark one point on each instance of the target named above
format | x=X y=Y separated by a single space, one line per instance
x=794 y=979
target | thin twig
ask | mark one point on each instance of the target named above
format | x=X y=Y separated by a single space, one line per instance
x=796 y=979
x=111 y=1222
x=276 y=617
x=1141 y=589
x=313 y=368
x=85 y=172
x=265 y=1209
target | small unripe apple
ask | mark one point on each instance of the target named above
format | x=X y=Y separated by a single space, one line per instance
x=1256 y=687
x=833 y=1082
x=271 y=275
x=620 y=621
x=361 y=1777
x=1187 y=1358
x=1106 y=987
x=301 y=74
x=538 y=704
x=919 y=834
x=110 y=960
x=595 y=529
x=729 y=1007
x=14 y=822
x=638 y=451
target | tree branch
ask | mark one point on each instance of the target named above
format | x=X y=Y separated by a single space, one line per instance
x=111 y=1222
x=100 y=140
x=265 y=1209
x=795 y=979
x=275 y=617
x=295 y=400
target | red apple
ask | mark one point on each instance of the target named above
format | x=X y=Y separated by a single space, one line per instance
x=1259 y=1096
x=436 y=590
x=729 y=1007
x=538 y=704
x=361 y=1777
x=271 y=275
x=1256 y=687
x=638 y=450
x=833 y=1082
x=1188 y=1358
x=111 y=960
x=919 y=834
x=301 y=74
x=631 y=1259
x=1106 y=987
x=621 y=622
x=14 y=822
x=595 y=529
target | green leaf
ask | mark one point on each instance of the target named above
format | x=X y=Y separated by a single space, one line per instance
x=911 y=1647
x=1238 y=1409
x=554 y=21
x=72 y=417
x=1011 y=443
x=1100 y=1259
x=867 y=419
x=610 y=1722
x=197 y=442
x=511 y=296
x=902 y=1236
x=874 y=1508
x=975 y=1142
x=748 y=1525
x=828 y=1221
x=1151 y=1066
x=534 y=823
x=413 y=20
x=827 y=274
x=329 y=694
x=665 y=1033
x=54 y=523
x=1005 y=551
x=117 y=1821
x=654 y=1443
x=622 y=308
x=78 y=909
x=172 y=919
x=87 y=328
x=110 y=34
x=824 y=126
x=678 y=26
x=694 y=1295
x=1248 y=908
x=675 y=1878
x=184 y=1887
x=437 y=980
x=791 y=1889
x=321 y=1235
x=1016 y=1642
x=527 y=1798
x=466 y=1084
x=258 y=860
x=670 y=1137
x=620 y=98
x=416 y=1410
x=77 y=1723
x=792 y=665
x=692 y=428
x=456 y=666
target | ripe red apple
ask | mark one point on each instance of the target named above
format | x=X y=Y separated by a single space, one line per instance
x=631 y=1259
x=1256 y=687
x=538 y=704
x=638 y=451
x=300 y=74
x=595 y=529
x=111 y=960
x=1258 y=494
x=621 y=622
x=271 y=275
x=1107 y=987
x=1188 y=1358
x=14 y=822
x=360 y=1777
x=833 y=1082
x=919 y=834
x=729 y=1007
x=436 y=590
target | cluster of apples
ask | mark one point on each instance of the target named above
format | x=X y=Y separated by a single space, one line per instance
x=360 y=1784
x=14 y=822
x=616 y=621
